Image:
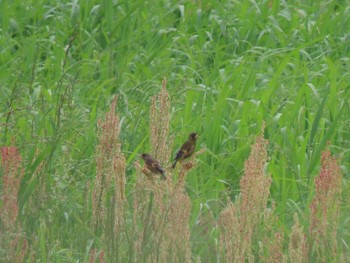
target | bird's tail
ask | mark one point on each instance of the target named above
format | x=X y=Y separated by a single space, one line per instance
x=174 y=164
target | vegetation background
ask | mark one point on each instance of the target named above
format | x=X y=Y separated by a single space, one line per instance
x=230 y=67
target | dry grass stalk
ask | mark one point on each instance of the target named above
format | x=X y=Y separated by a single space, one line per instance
x=143 y=230
x=325 y=208
x=255 y=188
x=270 y=238
x=108 y=197
x=230 y=233
x=11 y=239
x=12 y=174
x=275 y=249
x=159 y=126
x=93 y=256
x=158 y=208
x=247 y=215
x=297 y=243
x=151 y=194
x=177 y=237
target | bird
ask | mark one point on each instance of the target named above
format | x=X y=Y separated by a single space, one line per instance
x=186 y=149
x=153 y=165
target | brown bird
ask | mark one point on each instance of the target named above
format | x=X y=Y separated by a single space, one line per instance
x=186 y=149
x=153 y=165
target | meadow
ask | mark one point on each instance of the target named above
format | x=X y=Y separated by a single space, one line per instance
x=87 y=86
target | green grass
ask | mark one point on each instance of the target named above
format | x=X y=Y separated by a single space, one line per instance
x=230 y=66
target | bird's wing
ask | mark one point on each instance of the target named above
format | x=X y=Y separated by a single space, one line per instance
x=157 y=166
x=154 y=163
x=179 y=154
x=185 y=148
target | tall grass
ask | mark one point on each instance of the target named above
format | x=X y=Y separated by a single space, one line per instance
x=230 y=67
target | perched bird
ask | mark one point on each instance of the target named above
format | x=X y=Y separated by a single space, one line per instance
x=186 y=149
x=153 y=165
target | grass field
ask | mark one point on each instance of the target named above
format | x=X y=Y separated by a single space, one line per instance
x=236 y=72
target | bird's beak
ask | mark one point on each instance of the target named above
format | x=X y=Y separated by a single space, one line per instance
x=197 y=136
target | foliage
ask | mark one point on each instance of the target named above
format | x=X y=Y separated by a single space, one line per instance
x=230 y=66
